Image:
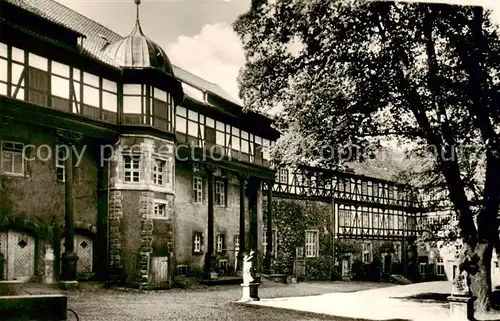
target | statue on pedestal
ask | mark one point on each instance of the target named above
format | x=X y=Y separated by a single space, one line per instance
x=249 y=286
x=247 y=268
x=468 y=265
x=49 y=265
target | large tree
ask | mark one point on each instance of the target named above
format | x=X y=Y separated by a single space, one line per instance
x=351 y=74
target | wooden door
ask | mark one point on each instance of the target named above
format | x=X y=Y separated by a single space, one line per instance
x=84 y=249
x=346 y=266
x=387 y=263
x=19 y=253
x=159 y=271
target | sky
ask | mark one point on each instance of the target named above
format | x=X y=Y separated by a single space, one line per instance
x=196 y=34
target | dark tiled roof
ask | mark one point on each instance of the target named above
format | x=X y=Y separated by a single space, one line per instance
x=97 y=36
x=202 y=84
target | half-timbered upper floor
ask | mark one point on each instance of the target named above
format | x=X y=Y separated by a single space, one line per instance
x=55 y=58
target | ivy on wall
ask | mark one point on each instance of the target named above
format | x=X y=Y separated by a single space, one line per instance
x=292 y=218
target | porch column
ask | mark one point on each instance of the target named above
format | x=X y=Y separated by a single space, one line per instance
x=242 y=248
x=269 y=229
x=69 y=257
x=252 y=211
x=209 y=266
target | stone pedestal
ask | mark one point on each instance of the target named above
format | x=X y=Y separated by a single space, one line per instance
x=69 y=260
x=68 y=285
x=461 y=307
x=250 y=292
x=8 y=288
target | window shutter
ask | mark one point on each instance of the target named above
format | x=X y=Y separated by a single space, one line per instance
x=209 y=136
x=223 y=236
x=38 y=86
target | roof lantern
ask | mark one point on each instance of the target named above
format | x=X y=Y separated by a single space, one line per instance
x=138 y=51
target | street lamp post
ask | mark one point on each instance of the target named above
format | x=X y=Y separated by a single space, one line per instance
x=69 y=258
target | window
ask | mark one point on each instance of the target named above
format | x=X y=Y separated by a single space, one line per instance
x=390 y=194
x=299 y=252
x=365 y=220
x=159 y=168
x=423 y=264
x=162 y=111
x=221 y=243
x=160 y=209
x=311 y=245
x=12 y=158
x=440 y=266
x=282 y=176
x=182 y=270
x=423 y=268
x=132 y=166
x=223 y=267
x=364 y=188
x=197 y=190
x=274 y=240
x=133 y=104
x=236 y=240
x=220 y=193
x=375 y=190
x=197 y=241
x=397 y=251
x=367 y=252
x=60 y=164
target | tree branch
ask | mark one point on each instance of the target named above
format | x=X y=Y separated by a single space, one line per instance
x=449 y=166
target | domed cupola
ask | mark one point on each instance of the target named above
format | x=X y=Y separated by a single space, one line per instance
x=138 y=51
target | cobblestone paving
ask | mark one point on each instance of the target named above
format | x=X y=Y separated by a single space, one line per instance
x=210 y=303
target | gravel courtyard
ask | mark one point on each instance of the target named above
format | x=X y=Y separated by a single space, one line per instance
x=92 y=302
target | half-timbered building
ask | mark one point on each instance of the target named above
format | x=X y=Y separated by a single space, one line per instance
x=104 y=142
x=132 y=169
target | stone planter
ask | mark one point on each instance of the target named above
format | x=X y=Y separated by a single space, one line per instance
x=9 y=288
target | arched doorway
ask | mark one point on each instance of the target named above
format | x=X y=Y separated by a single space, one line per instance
x=84 y=249
x=19 y=253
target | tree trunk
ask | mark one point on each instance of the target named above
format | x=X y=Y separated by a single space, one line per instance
x=481 y=277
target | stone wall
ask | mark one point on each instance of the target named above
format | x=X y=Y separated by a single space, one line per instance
x=135 y=234
x=37 y=198
x=191 y=217
x=115 y=229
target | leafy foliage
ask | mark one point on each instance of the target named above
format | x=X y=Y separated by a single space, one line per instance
x=349 y=75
